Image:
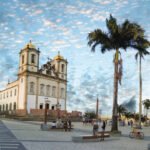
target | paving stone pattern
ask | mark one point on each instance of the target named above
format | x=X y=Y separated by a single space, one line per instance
x=30 y=135
x=7 y=140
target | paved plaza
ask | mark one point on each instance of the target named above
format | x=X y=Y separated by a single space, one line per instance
x=29 y=135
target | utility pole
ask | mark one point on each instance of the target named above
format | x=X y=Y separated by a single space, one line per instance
x=97 y=107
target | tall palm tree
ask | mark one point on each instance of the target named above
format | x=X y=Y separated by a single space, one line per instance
x=146 y=104
x=118 y=37
x=140 y=54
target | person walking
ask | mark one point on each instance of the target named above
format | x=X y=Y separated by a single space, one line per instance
x=65 y=125
x=103 y=130
x=103 y=126
x=95 y=128
x=69 y=124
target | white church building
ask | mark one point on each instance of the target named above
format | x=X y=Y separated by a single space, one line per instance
x=36 y=86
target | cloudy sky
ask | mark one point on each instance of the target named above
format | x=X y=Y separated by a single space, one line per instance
x=63 y=25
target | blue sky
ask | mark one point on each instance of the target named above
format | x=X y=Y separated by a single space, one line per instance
x=63 y=25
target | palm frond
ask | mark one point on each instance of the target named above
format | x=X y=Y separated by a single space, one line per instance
x=98 y=37
x=111 y=24
x=136 y=55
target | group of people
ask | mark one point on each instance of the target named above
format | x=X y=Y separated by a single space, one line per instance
x=62 y=124
x=97 y=125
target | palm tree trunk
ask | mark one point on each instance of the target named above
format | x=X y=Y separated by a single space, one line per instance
x=115 y=96
x=140 y=91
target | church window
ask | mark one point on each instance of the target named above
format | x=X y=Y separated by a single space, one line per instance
x=41 y=89
x=62 y=93
x=10 y=93
x=54 y=91
x=0 y=108
x=6 y=107
x=62 y=68
x=33 y=58
x=10 y=106
x=4 y=95
x=14 y=105
x=31 y=87
x=3 y=107
x=22 y=59
x=15 y=92
x=48 y=90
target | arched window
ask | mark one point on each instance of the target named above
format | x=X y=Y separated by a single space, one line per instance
x=0 y=108
x=22 y=59
x=15 y=92
x=62 y=68
x=3 y=107
x=62 y=93
x=14 y=105
x=11 y=93
x=48 y=91
x=10 y=106
x=32 y=58
x=54 y=91
x=41 y=89
x=6 y=107
x=32 y=85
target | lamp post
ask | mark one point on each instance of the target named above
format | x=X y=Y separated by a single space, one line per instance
x=58 y=106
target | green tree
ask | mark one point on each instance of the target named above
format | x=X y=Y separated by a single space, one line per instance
x=118 y=37
x=142 y=45
x=121 y=110
x=90 y=115
x=129 y=115
x=146 y=104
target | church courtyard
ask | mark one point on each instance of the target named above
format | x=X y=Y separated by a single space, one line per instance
x=27 y=135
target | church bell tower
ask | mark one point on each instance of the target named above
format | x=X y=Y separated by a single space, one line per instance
x=29 y=59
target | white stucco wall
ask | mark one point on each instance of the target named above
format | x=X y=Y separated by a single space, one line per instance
x=31 y=102
x=51 y=101
x=11 y=96
x=21 y=93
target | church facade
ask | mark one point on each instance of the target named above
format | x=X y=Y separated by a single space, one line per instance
x=36 y=87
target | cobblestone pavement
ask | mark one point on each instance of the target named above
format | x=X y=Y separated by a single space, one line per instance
x=30 y=135
x=7 y=140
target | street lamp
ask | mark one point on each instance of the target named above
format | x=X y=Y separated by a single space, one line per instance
x=46 y=107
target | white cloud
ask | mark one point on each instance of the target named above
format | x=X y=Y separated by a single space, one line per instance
x=48 y=23
x=39 y=31
x=103 y=2
x=37 y=12
x=58 y=20
x=19 y=41
x=59 y=42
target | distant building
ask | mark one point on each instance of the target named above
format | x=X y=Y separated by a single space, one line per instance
x=36 y=86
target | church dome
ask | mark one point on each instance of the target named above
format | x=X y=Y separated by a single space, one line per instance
x=29 y=45
x=58 y=57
